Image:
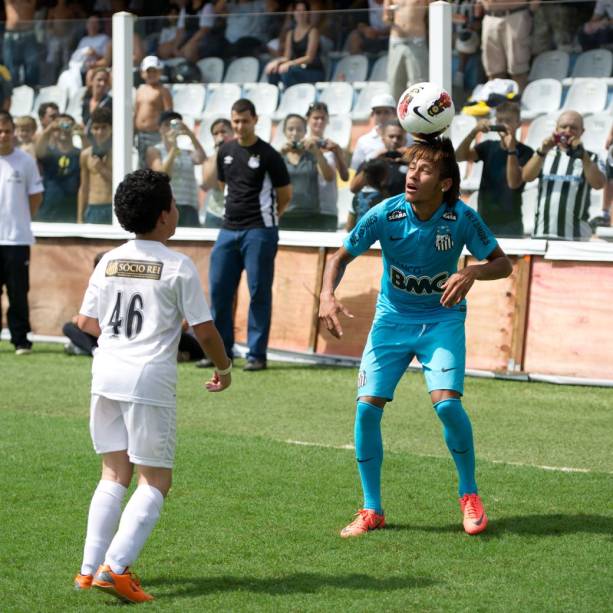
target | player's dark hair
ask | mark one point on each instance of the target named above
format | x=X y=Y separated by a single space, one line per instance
x=42 y=109
x=6 y=117
x=294 y=116
x=242 y=105
x=375 y=173
x=167 y=116
x=223 y=121
x=102 y=115
x=440 y=152
x=509 y=107
x=140 y=199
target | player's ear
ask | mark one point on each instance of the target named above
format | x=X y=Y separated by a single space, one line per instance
x=446 y=184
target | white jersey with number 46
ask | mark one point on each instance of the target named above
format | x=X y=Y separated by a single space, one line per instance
x=139 y=293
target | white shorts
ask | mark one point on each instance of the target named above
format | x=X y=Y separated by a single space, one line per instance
x=147 y=432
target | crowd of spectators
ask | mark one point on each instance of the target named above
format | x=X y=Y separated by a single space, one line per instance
x=74 y=157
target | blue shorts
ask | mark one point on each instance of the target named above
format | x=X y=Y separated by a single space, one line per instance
x=439 y=347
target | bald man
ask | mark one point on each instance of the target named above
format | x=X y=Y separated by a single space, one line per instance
x=567 y=172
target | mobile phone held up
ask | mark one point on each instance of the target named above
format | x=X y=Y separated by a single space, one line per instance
x=497 y=127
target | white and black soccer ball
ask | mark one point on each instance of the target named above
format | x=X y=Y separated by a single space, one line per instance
x=425 y=109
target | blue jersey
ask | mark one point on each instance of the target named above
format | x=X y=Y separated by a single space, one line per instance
x=419 y=256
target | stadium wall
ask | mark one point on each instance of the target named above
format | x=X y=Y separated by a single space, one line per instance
x=551 y=316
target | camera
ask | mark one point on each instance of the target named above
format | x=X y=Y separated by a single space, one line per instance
x=175 y=124
x=298 y=145
x=497 y=127
x=321 y=142
x=65 y=125
x=560 y=139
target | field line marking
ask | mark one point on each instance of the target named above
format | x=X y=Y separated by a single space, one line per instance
x=561 y=469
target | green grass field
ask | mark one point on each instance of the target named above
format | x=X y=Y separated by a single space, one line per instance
x=252 y=520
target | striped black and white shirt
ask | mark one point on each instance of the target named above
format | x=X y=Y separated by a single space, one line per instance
x=563 y=203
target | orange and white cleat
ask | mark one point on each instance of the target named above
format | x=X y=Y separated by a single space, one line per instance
x=365 y=521
x=126 y=586
x=83 y=582
x=475 y=519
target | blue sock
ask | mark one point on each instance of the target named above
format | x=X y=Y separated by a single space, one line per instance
x=369 y=453
x=459 y=438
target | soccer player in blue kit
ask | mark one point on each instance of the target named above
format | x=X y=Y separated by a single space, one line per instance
x=420 y=313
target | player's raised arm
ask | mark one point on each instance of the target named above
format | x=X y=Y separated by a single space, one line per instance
x=213 y=346
x=329 y=306
x=498 y=266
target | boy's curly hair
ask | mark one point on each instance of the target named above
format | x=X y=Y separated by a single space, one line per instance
x=140 y=199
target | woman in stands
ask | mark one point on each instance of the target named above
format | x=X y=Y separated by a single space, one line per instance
x=98 y=95
x=305 y=162
x=317 y=121
x=301 y=61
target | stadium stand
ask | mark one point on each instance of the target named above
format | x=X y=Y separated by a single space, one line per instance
x=188 y=98
x=243 y=70
x=587 y=96
x=337 y=96
x=22 y=100
x=211 y=69
x=379 y=69
x=264 y=96
x=361 y=109
x=351 y=68
x=296 y=99
x=52 y=93
x=220 y=99
x=550 y=65
x=540 y=97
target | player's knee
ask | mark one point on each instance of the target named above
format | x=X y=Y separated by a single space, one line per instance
x=449 y=410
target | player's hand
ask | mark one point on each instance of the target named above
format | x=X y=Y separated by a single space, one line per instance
x=457 y=286
x=218 y=383
x=329 y=308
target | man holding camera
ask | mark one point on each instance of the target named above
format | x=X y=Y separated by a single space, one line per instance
x=499 y=200
x=567 y=173
x=59 y=163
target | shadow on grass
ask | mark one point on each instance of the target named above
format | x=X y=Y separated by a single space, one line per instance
x=297 y=583
x=530 y=525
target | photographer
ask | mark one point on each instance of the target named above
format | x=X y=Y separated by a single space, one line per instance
x=178 y=164
x=393 y=183
x=221 y=130
x=59 y=163
x=305 y=161
x=566 y=173
x=96 y=190
x=501 y=187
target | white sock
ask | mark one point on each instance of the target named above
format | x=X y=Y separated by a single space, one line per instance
x=137 y=521
x=104 y=513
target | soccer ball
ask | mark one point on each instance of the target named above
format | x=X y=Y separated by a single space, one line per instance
x=425 y=110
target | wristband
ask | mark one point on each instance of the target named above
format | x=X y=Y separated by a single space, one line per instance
x=225 y=371
x=540 y=153
x=512 y=152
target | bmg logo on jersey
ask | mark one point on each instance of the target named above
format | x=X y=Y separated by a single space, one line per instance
x=134 y=269
x=417 y=285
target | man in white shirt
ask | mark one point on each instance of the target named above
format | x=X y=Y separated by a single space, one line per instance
x=383 y=109
x=135 y=303
x=21 y=192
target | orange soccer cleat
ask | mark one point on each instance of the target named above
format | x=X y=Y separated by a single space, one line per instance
x=366 y=520
x=475 y=519
x=126 y=586
x=83 y=582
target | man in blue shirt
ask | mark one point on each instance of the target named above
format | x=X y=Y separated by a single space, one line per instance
x=420 y=313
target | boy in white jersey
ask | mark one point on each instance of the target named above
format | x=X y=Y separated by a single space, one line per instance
x=135 y=302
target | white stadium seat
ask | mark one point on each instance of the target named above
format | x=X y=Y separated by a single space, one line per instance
x=51 y=93
x=339 y=130
x=460 y=126
x=541 y=97
x=263 y=127
x=264 y=96
x=243 y=70
x=351 y=68
x=550 y=65
x=472 y=182
x=594 y=64
x=211 y=69
x=204 y=135
x=188 y=98
x=220 y=99
x=597 y=128
x=296 y=99
x=379 y=69
x=22 y=100
x=338 y=97
x=587 y=96
x=529 y=199
x=75 y=104
x=540 y=129
x=361 y=110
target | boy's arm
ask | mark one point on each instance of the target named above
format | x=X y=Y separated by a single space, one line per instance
x=83 y=188
x=89 y=325
x=207 y=335
x=42 y=144
x=284 y=195
x=166 y=99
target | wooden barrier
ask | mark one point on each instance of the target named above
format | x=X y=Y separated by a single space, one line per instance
x=550 y=317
